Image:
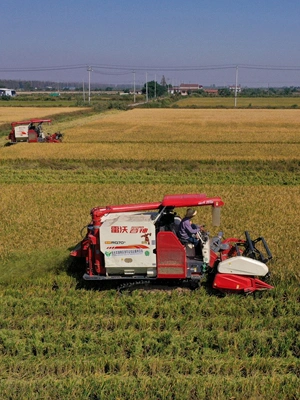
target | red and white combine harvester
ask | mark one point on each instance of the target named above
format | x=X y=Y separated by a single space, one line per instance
x=31 y=131
x=138 y=243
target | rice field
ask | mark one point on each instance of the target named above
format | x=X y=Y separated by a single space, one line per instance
x=60 y=338
x=249 y=102
x=192 y=126
x=11 y=114
x=138 y=151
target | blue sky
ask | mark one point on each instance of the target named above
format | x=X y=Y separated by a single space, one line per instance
x=158 y=37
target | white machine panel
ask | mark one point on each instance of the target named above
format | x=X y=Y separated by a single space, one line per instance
x=127 y=241
x=21 y=132
x=243 y=266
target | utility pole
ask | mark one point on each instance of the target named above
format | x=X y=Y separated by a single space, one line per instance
x=134 y=86
x=89 y=69
x=236 y=83
x=146 y=87
x=155 y=86
x=83 y=92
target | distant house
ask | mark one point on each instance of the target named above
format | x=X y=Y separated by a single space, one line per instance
x=70 y=88
x=7 y=92
x=238 y=88
x=211 y=92
x=185 y=88
x=136 y=92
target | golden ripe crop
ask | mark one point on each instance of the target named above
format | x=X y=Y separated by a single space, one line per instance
x=162 y=134
x=155 y=136
x=47 y=216
x=151 y=151
x=259 y=102
x=11 y=114
x=182 y=125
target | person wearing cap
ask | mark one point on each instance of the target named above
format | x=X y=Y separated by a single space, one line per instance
x=187 y=230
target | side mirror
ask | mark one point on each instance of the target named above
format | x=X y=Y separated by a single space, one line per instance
x=216 y=216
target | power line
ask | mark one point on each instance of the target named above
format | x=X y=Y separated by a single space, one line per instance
x=111 y=73
x=49 y=68
x=128 y=69
x=270 y=67
x=163 y=68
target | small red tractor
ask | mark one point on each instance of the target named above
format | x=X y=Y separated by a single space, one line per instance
x=138 y=243
x=31 y=131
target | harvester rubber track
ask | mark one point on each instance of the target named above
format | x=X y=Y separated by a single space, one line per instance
x=130 y=286
x=163 y=285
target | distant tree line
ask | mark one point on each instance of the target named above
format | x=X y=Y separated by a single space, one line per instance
x=154 y=88
x=261 y=92
x=33 y=85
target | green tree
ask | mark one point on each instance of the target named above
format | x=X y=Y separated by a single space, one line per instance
x=27 y=86
x=225 y=92
x=163 y=81
x=287 y=91
x=154 y=88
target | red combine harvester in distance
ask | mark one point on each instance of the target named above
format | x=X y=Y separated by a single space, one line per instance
x=138 y=243
x=31 y=131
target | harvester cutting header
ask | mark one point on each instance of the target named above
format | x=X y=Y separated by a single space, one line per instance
x=142 y=243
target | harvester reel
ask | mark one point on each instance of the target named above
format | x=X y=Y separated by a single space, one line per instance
x=253 y=252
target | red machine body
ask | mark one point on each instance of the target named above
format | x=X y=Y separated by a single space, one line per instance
x=139 y=242
x=31 y=131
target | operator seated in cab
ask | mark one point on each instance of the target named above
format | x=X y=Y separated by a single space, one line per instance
x=32 y=127
x=187 y=231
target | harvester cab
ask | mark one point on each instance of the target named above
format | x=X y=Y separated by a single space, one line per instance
x=31 y=131
x=139 y=243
